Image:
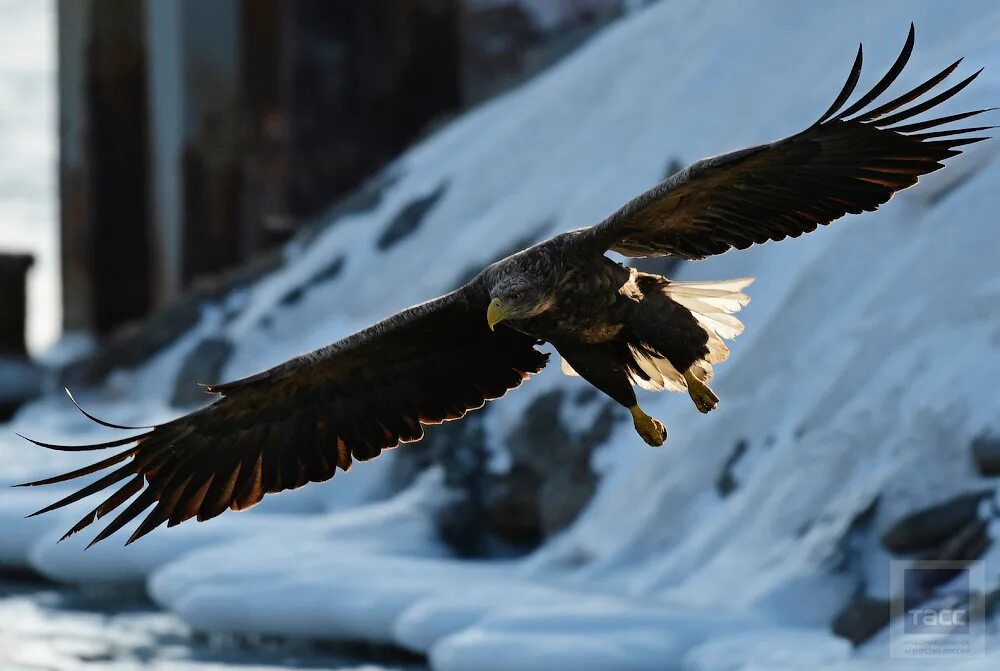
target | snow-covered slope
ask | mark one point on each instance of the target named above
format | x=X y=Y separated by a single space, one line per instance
x=868 y=366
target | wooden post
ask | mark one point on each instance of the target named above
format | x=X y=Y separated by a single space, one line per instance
x=103 y=161
x=195 y=134
x=20 y=379
x=363 y=80
x=13 y=304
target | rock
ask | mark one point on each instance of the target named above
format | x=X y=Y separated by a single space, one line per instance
x=202 y=365
x=848 y=556
x=513 y=503
x=861 y=619
x=726 y=483
x=408 y=220
x=460 y=449
x=934 y=526
x=327 y=273
x=553 y=461
x=549 y=480
x=986 y=454
x=969 y=543
x=20 y=381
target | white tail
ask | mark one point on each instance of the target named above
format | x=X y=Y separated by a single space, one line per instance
x=713 y=305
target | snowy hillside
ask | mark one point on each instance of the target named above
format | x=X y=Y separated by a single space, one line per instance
x=866 y=374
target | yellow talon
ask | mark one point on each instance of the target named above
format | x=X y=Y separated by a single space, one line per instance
x=704 y=398
x=651 y=430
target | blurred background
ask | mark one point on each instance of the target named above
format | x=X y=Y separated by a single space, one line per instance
x=194 y=190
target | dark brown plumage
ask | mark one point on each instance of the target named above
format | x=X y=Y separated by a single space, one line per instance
x=841 y=164
x=614 y=326
x=300 y=421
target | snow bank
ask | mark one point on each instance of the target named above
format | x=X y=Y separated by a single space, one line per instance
x=581 y=633
x=869 y=363
x=774 y=649
x=452 y=607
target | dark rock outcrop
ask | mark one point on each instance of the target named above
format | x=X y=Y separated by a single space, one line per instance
x=408 y=220
x=726 y=483
x=933 y=527
x=861 y=619
x=551 y=464
x=547 y=484
x=986 y=453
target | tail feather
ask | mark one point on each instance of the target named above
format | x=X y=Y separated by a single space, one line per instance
x=713 y=305
x=653 y=371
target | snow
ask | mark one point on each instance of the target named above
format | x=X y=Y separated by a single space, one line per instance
x=868 y=364
x=774 y=649
x=18 y=380
x=49 y=631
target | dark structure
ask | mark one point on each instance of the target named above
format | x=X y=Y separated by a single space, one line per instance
x=13 y=304
x=195 y=133
x=20 y=380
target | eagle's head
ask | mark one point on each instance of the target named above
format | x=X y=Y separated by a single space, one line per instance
x=517 y=291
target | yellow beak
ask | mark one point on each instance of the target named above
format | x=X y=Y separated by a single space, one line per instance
x=496 y=313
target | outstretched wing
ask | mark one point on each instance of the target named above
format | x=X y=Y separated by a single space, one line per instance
x=300 y=421
x=841 y=164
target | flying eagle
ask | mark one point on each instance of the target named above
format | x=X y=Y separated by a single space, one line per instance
x=614 y=326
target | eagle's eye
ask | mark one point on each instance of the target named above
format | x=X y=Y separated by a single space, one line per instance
x=516 y=295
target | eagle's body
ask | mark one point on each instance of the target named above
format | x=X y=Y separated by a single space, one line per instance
x=609 y=323
x=614 y=326
x=581 y=287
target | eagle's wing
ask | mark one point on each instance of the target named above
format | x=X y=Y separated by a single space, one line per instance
x=851 y=160
x=299 y=421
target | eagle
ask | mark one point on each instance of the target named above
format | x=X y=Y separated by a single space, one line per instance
x=614 y=326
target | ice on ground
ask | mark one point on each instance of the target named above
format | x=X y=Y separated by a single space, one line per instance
x=868 y=365
x=453 y=606
x=581 y=633
x=776 y=649
x=48 y=630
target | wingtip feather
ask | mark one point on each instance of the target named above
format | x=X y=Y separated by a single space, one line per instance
x=100 y=421
x=848 y=88
x=887 y=79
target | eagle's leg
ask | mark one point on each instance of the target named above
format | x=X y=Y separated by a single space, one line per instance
x=704 y=398
x=650 y=428
x=600 y=365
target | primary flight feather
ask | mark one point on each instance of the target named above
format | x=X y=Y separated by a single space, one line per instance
x=614 y=326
